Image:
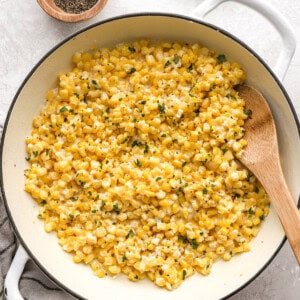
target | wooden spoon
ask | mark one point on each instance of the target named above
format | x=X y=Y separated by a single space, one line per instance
x=261 y=157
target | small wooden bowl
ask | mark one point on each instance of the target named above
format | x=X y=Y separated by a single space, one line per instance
x=54 y=11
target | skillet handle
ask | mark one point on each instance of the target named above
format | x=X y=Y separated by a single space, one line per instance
x=11 y=284
x=283 y=27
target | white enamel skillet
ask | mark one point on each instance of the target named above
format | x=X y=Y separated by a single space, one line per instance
x=43 y=249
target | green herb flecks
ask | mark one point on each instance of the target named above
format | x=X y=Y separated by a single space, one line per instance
x=95 y=84
x=125 y=140
x=183 y=239
x=221 y=58
x=248 y=112
x=167 y=63
x=132 y=70
x=136 y=143
x=161 y=108
x=138 y=163
x=116 y=208
x=82 y=183
x=102 y=205
x=251 y=212
x=131 y=49
x=146 y=148
x=176 y=59
x=130 y=233
x=63 y=109
x=194 y=244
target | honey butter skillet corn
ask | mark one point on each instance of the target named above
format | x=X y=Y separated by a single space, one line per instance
x=133 y=162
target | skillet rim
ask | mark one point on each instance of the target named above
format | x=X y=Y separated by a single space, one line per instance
x=72 y=36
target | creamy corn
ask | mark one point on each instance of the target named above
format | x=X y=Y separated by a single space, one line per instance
x=133 y=161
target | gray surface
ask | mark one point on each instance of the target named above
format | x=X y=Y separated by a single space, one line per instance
x=27 y=33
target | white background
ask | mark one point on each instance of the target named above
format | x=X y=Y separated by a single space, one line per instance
x=27 y=33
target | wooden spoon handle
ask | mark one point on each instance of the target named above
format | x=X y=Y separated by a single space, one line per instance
x=283 y=203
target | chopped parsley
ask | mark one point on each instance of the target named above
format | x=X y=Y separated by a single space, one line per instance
x=136 y=143
x=167 y=63
x=102 y=205
x=212 y=87
x=146 y=148
x=95 y=84
x=230 y=96
x=221 y=58
x=183 y=239
x=224 y=150
x=183 y=274
x=63 y=109
x=249 y=177
x=130 y=233
x=125 y=140
x=138 y=163
x=176 y=59
x=82 y=183
x=180 y=191
x=194 y=244
x=248 y=112
x=132 y=70
x=131 y=49
x=116 y=208
x=161 y=108
x=251 y=212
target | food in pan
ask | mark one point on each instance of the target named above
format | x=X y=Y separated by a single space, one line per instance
x=134 y=162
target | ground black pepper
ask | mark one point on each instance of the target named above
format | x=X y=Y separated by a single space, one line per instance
x=75 y=6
